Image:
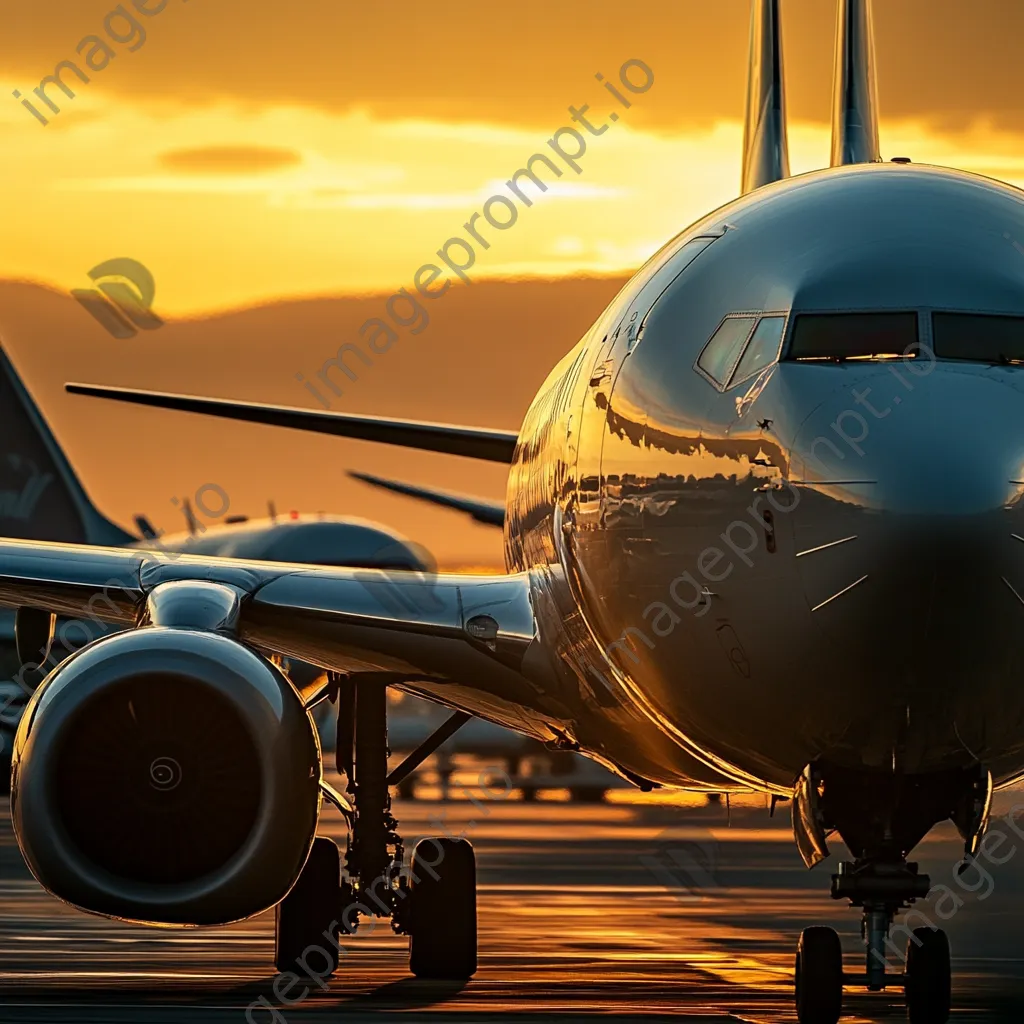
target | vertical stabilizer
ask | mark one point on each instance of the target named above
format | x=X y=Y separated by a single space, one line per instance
x=765 y=145
x=41 y=498
x=855 y=88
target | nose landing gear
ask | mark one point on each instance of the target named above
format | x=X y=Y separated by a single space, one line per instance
x=881 y=890
x=881 y=818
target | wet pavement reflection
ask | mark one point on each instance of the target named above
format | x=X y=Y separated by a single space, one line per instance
x=621 y=910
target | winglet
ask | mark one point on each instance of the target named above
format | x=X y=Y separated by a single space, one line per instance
x=765 y=142
x=855 y=87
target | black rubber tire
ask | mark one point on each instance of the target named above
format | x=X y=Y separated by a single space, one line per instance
x=819 y=977
x=929 y=977
x=304 y=918
x=442 y=914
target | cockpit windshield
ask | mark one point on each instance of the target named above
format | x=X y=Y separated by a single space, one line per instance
x=979 y=337
x=836 y=337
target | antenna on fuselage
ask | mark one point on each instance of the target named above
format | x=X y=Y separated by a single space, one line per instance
x=855 y=87
x=765 y=143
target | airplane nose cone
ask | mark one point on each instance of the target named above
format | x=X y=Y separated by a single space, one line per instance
x=948 y=441
x=909 y=543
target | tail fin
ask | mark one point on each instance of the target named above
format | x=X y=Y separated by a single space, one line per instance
x=765 y=144
x=855 y=88
x=41 y=498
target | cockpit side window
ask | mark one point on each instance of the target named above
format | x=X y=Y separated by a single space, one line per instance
x=722 y=352
x=836 y=337
x=762 y=350
x=979 y=337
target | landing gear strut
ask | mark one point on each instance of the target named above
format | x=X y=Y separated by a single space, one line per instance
x=433 y=899
x=881 y=818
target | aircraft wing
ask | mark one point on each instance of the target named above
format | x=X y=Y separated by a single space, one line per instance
x=490 y=513
x=461 y=639
x=472 y=442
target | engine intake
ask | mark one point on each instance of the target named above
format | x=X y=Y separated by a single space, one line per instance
x=166 y=776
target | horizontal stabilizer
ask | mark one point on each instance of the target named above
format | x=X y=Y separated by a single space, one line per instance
x=855 y=89
x=490 y=513
x=471 y=442
x=765 y=142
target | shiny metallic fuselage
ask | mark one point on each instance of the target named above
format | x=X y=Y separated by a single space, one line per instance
x=873 y=621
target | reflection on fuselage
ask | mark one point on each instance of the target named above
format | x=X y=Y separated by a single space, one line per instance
x=822 y=561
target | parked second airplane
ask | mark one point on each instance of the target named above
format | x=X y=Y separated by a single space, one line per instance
x=763 y=531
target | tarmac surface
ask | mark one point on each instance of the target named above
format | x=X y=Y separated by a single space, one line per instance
x=620 y=911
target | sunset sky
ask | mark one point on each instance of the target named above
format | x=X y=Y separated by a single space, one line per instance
x=248 y=152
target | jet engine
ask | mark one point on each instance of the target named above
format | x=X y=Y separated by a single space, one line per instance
x=167 y=776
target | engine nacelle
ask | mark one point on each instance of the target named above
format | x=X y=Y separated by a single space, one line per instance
x=166 y=776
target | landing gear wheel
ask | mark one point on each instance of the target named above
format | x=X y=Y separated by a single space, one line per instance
x=442 y=914
x=819 y=977
x=928 y=977
x=305 y=916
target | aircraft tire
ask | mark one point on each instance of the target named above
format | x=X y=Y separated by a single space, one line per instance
x=442 y=920
x=307 y=916
x=928 y=977
x=819 y=977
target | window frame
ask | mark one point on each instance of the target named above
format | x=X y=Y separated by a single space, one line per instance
x=930 y=314
x=925 y=332
x=755 y=318
x=757 y=315
x=924 y=329
x=782 y=315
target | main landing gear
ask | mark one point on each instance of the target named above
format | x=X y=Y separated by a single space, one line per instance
x=881 y=818
x=432 y=899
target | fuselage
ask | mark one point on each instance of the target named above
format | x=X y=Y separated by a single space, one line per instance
x=819 y=558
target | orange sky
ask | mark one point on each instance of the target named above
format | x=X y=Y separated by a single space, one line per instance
x=248 y=151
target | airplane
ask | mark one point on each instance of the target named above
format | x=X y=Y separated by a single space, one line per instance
x=586 y=781
x=42 y=497
x=763 y=533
